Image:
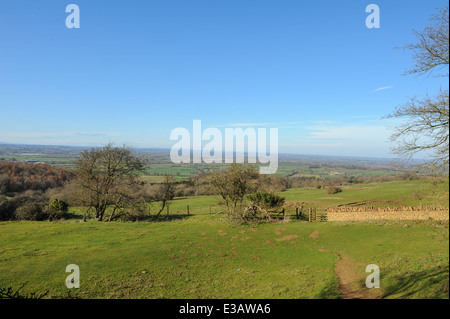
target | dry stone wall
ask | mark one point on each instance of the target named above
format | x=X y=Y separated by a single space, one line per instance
x=387 y=213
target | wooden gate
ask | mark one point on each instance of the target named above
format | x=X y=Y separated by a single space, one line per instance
x=314 y=216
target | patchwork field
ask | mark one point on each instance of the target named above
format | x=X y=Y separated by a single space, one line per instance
x=159 y=163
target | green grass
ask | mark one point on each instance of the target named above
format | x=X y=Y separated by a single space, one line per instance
x=198 y=258
x=202 y=256
x=405 y=193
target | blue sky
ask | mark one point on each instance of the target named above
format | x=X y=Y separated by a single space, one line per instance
x=135 y=70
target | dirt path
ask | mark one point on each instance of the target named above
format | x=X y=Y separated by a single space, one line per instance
x=352 y=281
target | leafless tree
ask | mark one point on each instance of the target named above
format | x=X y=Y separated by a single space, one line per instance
x=431 y=51
x=426 y=128
x=4 y=181
x=107 y=178
x=425 y=125
x=164 y=193
x=232 y=185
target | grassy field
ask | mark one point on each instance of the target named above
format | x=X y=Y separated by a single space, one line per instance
x=402 y=193
x=405 y=193
x=203 y=256
x=206 y=258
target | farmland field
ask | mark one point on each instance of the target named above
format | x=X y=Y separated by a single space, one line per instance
x=159 y=163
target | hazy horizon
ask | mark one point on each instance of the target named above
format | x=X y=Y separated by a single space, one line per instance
x=163 y=149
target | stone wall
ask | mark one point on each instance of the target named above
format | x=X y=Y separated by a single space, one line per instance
x=387 y=213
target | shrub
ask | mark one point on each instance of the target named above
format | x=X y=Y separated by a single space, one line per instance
x=31 y=210
x=266 y=200
x=56 y=209
x=50 y=214
x=58 y=205
x=68 y=193
x=7 y=209
x=140 y=211
x=333 y=190
x=31 y=206
x=135 y=215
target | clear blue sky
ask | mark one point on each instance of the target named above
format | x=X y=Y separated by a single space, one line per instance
x=135 y=70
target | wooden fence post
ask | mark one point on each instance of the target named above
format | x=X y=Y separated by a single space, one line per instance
x=188 y=210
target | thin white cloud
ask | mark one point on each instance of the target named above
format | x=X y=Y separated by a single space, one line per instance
x=242 y=125
x=366 y=117
x=383 y=88
x=263 y=124
x=60 y=138
x=96 y=134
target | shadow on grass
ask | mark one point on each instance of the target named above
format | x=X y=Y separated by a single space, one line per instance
x=179 y=198
x=432 y=283
x=70 y=216
x=330 y=291
x=16 y=293
x=170 y=217
x=149 y=218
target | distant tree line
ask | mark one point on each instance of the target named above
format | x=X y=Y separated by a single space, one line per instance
x=17 y=177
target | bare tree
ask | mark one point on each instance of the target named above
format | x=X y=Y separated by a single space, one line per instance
x=425 y=125
x=165 y=192
x=426 y=128
x=4 y=181
x=431 y=51
x=107 y=177
x=232 y=185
